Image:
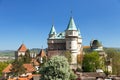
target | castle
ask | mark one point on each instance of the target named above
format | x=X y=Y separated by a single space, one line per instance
x=68 y=40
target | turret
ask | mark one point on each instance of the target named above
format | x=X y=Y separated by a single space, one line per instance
x=71 y=36
x=52 y=32
x=73 y=40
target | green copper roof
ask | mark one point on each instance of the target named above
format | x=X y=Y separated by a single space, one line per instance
x=71 y=25
x=52 y=31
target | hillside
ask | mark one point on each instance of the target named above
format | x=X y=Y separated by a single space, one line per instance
x=11 y=53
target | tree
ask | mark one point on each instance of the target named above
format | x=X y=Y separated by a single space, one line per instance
x=17 y=68
x=91 y=62
x=57 y=68
x=113 y=56
x=2 y=66
x=27 y=57
x=79 y=58
x=68 y=56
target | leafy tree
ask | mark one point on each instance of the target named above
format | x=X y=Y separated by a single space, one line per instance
x=17 y=68
x=2 y=66
x=91 y=62
x=79 y=58
x=113 y=60
x=68 y=56
x=113 y=56
x=27 y=58
x=110 y=52
x=44 y=60
x=57 y=68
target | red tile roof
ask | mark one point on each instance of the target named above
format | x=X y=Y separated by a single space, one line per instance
x=86 y=47
x=22 y=48
x=29 y=68
x=42 y=53
x=7 y=69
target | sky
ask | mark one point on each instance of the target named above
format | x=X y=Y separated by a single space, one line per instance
x=30 y=21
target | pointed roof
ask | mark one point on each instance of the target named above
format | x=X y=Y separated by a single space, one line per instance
x=52 y=31
x=7 y=69
x=29 y=68
x=71 y=25
x=22 y=48
x=42 y=53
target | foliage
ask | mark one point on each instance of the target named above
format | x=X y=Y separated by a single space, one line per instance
x=44 y=60
x=17 y=68
x=114 y=58
x=78 y=69
x=57 y=68
x=17 y=65
x=87 y=50
x=26 y=58
x=79 y=58
x=68 y=56
x=2 y=66
x=91 y=62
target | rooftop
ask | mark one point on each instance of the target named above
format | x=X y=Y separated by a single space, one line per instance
x=22 y=48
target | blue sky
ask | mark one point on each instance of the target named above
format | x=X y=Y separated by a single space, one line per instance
x=29 y=21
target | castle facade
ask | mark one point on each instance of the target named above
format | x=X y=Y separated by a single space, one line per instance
x=68 y=40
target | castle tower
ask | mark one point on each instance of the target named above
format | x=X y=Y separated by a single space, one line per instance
x=73 y=40
x=52 y=32
x=68 y=40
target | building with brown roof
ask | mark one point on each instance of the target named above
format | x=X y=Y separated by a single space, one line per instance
x=21 y=51
x=41 y=55
x=29 y=70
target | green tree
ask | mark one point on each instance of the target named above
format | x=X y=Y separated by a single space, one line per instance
x=79 y=59
x=91 y=62
x=57 y=68
x=2 y=66
x=113 y=57
x=68 y=56
x=27 y=58
x=17 y=68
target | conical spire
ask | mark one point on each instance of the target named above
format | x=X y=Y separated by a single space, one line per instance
x=42 y=53
x=71 y=25
x=52 y=31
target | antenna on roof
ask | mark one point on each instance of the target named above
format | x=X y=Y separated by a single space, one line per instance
x=42 y=47
x=71 y=12
x=52 y=21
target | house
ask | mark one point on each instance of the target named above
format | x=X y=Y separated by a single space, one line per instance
x=8 y=74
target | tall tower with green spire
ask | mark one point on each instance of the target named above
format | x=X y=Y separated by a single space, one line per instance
x=73 y=40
